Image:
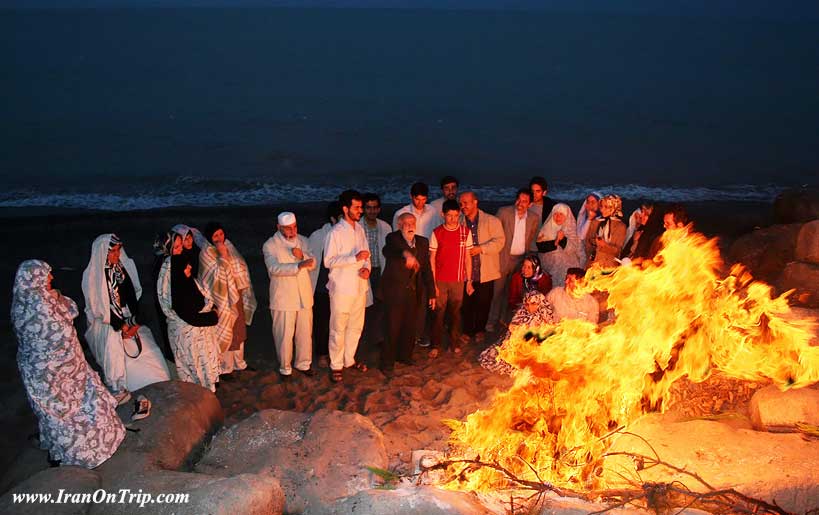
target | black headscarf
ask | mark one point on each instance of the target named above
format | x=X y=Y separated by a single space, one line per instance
x=211 y=228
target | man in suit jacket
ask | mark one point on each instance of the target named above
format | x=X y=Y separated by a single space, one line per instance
x=520 y=227
x=407 y=279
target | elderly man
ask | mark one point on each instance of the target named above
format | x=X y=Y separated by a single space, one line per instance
x=519 y=229
x=406 y=282
x=347 y=256
x=487 y=243
x=288 y=262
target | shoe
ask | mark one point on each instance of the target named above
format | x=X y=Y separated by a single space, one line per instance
x=227 y=377
x=422 y=342
x=122 y=397
x=142 y=408
x=250 y=369
x=358 y=365
x=337 y=376
x=309 y=372
x=285 y=377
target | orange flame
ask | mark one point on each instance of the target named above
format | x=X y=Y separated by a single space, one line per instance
x=674 y=318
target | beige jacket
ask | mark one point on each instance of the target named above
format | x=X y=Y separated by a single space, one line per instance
x=491 y=241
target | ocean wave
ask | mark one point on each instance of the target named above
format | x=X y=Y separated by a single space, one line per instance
x=204 y=192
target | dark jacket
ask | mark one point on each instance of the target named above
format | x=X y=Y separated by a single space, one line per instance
x=398 y=283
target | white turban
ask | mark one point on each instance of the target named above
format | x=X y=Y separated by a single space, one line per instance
x=286 y=218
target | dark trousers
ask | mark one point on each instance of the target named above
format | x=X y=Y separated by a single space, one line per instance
x=321 y=323
x=447 y=304
x=374 y=316
x=401 y=315
x=475 y=310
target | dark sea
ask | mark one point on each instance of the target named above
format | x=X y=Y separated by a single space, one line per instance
x=145 y=108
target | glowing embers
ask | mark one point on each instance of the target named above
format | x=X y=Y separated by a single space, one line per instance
x=673 y=317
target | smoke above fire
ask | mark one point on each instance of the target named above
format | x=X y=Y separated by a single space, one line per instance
x=673 y=317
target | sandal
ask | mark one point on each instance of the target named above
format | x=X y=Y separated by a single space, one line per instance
x=337 y=376
x=142 y=408
x=433 y=353
x=362 y=367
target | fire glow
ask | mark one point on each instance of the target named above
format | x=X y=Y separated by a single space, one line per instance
x=674 y=317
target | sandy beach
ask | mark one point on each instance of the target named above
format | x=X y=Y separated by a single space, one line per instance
x=407 y=407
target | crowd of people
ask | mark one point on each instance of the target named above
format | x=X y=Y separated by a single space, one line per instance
x=442 y=276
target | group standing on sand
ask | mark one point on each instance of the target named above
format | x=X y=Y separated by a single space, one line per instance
x=444 y=275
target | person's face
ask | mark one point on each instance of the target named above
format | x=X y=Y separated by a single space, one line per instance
x=177 y=245
x=418 y=202
x=537 y=193
x=571 y=282
x=408 y=228
x=49 y=278
x=592 y=204
x=469 y=204
x=354 y=211
x=645 y=212
x=522 y=203
x=450 y=190
x=606 y=208
x=527 y=269
x=113 y=255
x=188 y=243
x=669 y=222
x=290 y=231
x=560 y=217
x=531 y=306
x=371 y=210
x=218 y=237
x=451 y=218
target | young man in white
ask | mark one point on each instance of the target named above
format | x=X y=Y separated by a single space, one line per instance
x=426 y=218
x=347 y=257
x=289 y=262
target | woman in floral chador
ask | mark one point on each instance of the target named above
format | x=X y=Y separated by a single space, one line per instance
x=76 y=414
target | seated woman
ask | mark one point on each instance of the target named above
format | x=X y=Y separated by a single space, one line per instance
x=533 y=313
x=530 y=277
x=191 y=318
x=224 y=272
x=567 y=304
x=76 y=414
x=124 y=348
x=636 y=228
x=557 y=243
x=607 y=234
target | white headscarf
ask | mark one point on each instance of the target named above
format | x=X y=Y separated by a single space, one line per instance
x=550 y=227
x=583 y=220
x=95 y=285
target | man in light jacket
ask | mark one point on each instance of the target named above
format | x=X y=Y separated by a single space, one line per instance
x=289 y=262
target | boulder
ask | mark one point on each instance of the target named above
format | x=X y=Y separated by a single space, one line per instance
x=29 y=461
x=73 y=480
x=189 y=493
x=774 y=410
x=318 y=458
x=807 y=243
x=804 y=279
x=797 y=205
x=765 y=252
x=572 y=506
x=778 y=468
x=183 y=418
x=406 y=501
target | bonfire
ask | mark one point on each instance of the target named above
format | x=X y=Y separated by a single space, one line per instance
x=677 y=316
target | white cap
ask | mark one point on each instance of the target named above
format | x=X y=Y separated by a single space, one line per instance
x=286 y=218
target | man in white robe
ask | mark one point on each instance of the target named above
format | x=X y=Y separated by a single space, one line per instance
x=289 y=262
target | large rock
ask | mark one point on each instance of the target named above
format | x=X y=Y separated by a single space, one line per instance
x=807 y=243
x=188 y=493
x=406 y=501
x=777 y=468
x=317 y=458
x=765 y=252
x=183 y=418
x=29 y=461
x=804 y=279
x=73 y=480
x=778 y=411
x=797 y=205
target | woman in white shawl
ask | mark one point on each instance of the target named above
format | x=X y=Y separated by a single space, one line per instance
x=76 y=414
x=124 y=348
x=588 y=212
x=224 y=271
x=191 y=318
x=557 y=243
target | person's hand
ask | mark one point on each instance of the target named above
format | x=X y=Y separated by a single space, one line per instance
x=560 y=235
x=469 y=288
x=362 y=255
x=431 y=303
x=129 y=331
x=306 y=263
x=410 y=262
x=363 y=272
x=475 y=250
x=298 y=253
x=188 y=270
x=222 y=249
x=437 y=291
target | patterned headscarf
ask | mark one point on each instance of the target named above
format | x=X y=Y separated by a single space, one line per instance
x=531 y=283
x=33 y=305
x=543 y=315
x=604 y=228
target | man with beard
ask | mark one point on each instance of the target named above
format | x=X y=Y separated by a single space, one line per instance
x=288 y=263
x=449 y=191
x=347 y=256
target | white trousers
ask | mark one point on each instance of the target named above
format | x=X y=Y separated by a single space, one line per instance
x=346 y=324
x=231 y=360
x=293 y=329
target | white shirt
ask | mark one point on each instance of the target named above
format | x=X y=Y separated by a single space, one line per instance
x=290 y=286
x=343 y=243
x=425 y=221
x=518 y=247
